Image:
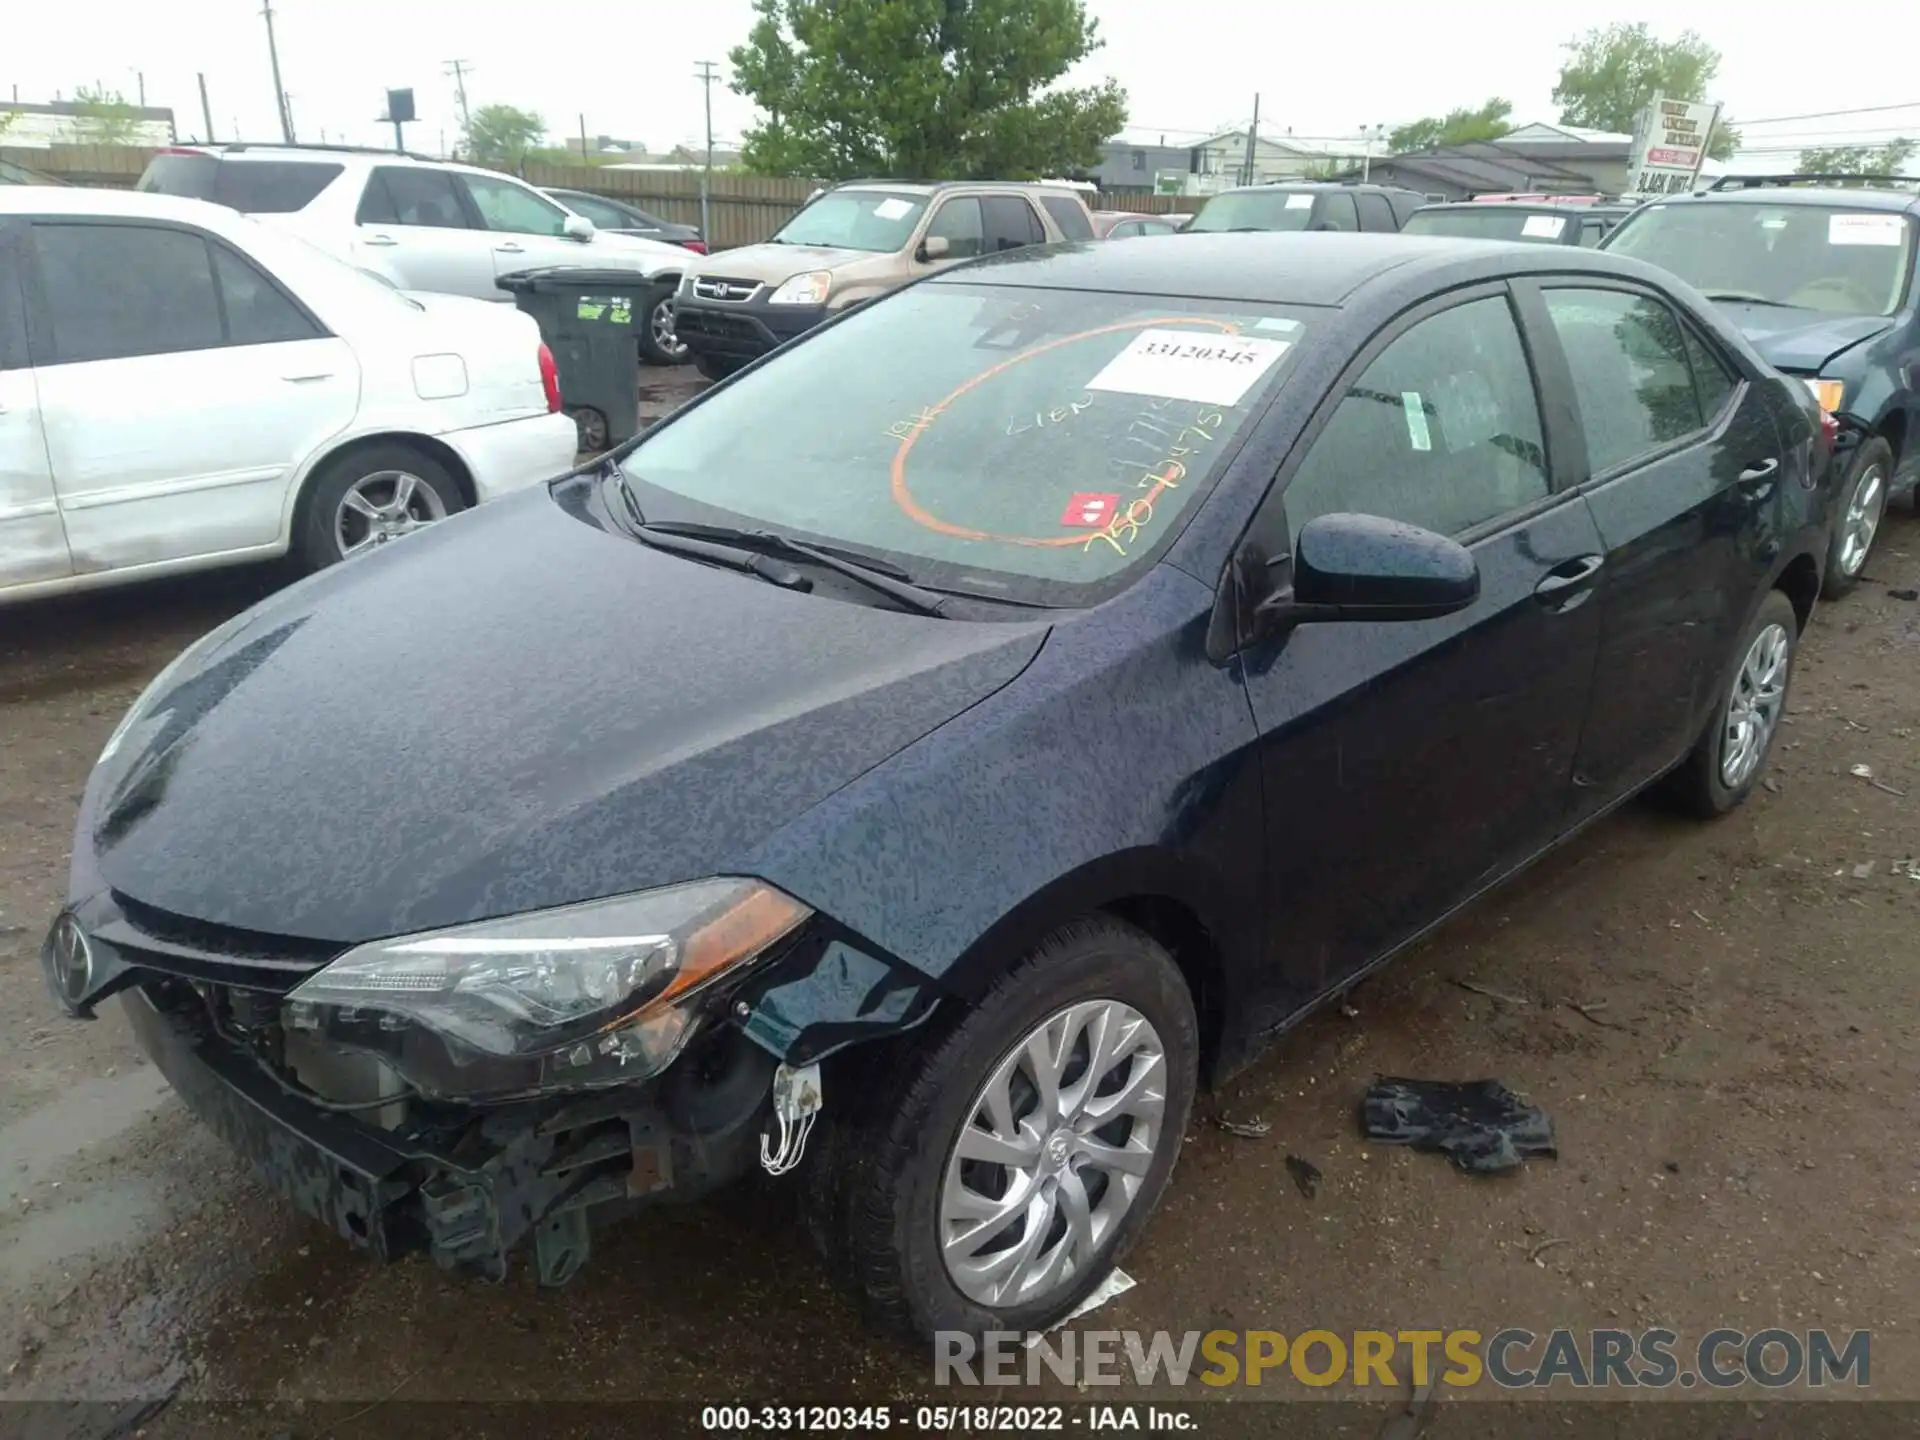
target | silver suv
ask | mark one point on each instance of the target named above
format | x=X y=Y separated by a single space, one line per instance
x=424 y=224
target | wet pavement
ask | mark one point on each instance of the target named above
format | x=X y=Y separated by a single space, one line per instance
x=1719 y=1019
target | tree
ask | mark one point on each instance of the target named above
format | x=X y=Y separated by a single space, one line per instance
x=928 y=89
x=502 y=134
x=1858 y=159
x=1456 y=127
x=105 y=118
x=1614 y=73
x=7 y=118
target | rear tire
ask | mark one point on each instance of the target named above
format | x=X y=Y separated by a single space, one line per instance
x=406 y=487
x=1857 y=516
x=716 y=367
x=1721 y=771
x=1097 y=1155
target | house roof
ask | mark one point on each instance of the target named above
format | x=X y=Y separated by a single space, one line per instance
x=1540 y=130
x=1485 y=166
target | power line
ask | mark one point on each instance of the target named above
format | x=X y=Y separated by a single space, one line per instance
x=1825 y=114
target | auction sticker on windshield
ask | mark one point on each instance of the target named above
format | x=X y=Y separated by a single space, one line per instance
x=1544 y=227
x=892 y=209
x=1180 y=365
x=1862 y=229
x=1299 y=202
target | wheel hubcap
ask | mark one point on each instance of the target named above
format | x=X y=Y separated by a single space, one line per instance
x=1862 y=520
x=1053 y=1153
x=663 y=331
x=384 y=506
x=1753 y=707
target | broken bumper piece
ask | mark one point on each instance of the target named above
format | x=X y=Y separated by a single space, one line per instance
x=469 y=1191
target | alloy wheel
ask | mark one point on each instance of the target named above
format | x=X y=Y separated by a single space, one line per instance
x=381 y=507
x=1754 y=704
x=664 y=336
x=1862 y=520
x=1055 y=1148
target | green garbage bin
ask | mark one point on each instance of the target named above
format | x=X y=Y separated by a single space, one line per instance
x=588 y=318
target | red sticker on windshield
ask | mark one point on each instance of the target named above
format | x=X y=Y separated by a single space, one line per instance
x=1090 y=509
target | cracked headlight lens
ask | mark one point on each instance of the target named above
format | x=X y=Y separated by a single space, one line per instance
x=598 y=993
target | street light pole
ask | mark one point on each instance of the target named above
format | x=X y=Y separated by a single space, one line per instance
x=279 y=92
x=705 y=76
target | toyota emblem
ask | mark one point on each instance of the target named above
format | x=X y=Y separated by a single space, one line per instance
x=72 y=960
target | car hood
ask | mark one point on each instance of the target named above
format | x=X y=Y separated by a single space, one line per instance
x=771 y=264
x=1805 y=340
x=512 y=710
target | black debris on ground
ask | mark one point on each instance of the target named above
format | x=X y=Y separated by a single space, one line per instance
x=1480 y=1125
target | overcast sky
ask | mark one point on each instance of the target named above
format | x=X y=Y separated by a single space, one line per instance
x=1190 y=68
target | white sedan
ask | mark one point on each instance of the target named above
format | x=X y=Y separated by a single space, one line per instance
x=182 y=387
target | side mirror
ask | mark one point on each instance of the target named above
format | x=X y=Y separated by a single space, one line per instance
x=1362 y=567
x=577 y=227
x=934 y=247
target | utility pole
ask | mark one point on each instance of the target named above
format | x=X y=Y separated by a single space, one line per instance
x=140 y=79
x=279 y=92
x=705 y=75
x=458 y=70
x=583 y=137
x=206 y=110
x=1253 y=132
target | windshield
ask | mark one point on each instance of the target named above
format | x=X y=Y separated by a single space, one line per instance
x=1492 y=222
x=874 y=220
x=1816 y=257
x=1255 y=210
x=1029 y=445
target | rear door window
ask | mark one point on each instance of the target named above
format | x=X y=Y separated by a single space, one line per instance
x=257 y=310
x=1009 y=223
x=1337 y=213
x=410 y=195
x=1071 y=218
x=1375 y=212
x=116 y=291
x=1632 y=380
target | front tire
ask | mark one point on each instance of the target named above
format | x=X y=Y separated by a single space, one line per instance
x=1731 y=755
x=1861 y=507
x=659 y=345
x=1018 y=1155
x=360 y=501
x=716 y=367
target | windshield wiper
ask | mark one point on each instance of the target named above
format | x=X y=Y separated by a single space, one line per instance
x=694 y=547
x=1742 y=297
x=876 y=574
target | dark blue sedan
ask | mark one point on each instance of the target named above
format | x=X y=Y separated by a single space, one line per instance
x=926 y=758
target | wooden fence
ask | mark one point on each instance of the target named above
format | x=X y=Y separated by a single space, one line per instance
x=743 y=209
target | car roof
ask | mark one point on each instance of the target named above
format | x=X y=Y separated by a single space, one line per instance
x=116 y=204
x=934 y=187
x=1287 y=267
x=248 y=150
x=1516 y=207
x=1284 y=186
x=1897 y=201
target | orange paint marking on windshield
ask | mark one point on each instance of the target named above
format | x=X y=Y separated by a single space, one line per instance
x=920 y=515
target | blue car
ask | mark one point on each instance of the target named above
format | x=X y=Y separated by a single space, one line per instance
x=1820 y=277
x=926 y=758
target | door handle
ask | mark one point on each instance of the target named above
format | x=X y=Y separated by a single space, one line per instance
x=1757 y=478
x=306 y=379
x=378 y=240
x=1567 y=583
x=511 y=249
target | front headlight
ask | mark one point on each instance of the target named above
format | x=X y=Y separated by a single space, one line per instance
x=808 y=289
x=601 y=993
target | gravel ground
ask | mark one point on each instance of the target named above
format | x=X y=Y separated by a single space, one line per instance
x=1734 y=1107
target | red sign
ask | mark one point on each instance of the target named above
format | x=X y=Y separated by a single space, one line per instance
x=1089 y=509
x=1676 y=158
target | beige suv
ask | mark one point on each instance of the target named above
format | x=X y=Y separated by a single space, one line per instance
x=851 y=243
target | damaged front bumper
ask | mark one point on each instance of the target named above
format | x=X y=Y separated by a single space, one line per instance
x=465 y=1187
x=396 y=1172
